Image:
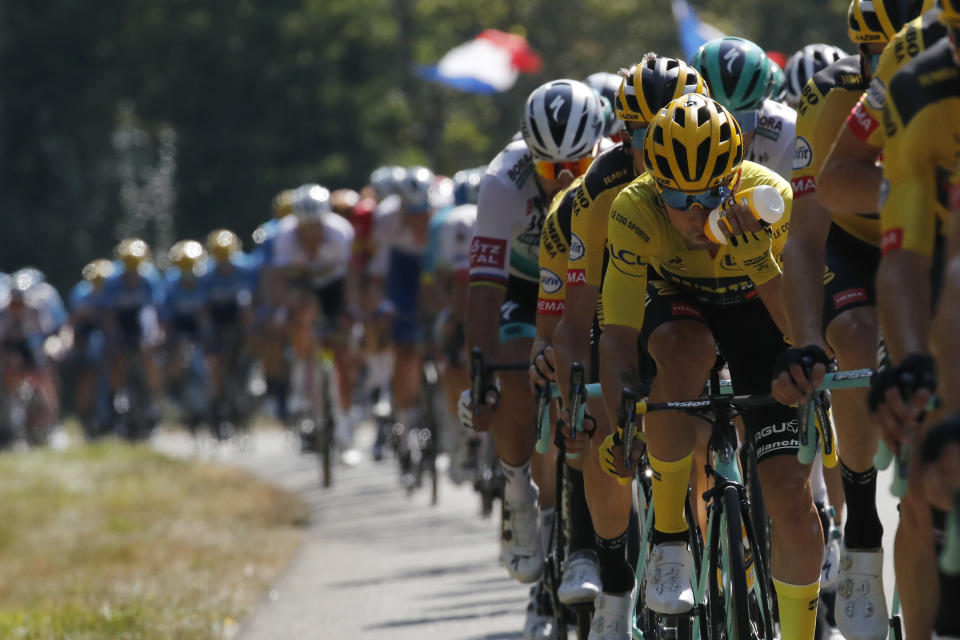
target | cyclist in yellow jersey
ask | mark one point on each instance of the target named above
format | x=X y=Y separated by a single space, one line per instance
x=581 y=580
x=852 y=161
x=919 y=200
x=702 y=295
x=830 y=300
x=645 y=88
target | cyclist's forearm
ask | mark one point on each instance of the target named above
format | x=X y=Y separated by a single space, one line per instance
x=570 y=344
x=771 y=292
x=802 y=292
x=618 y=365
x=483 y=319
x=903 y=303
x=849 y=180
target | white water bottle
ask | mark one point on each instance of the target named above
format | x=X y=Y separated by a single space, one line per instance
x=764 y=202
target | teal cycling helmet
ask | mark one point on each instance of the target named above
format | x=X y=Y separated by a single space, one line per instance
x=777 y=88
x=737 y=72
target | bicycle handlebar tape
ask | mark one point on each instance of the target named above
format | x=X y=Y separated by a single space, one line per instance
x=805 y=424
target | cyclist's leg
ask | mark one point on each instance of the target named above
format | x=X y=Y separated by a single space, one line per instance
x=750 y=341
x=681 y=343
x=610 y=503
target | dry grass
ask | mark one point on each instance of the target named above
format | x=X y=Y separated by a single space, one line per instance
x=113 y=541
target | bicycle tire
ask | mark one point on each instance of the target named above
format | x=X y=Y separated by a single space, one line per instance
x=327 y=427
x=737 y=566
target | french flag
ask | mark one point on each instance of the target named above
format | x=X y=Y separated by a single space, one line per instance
x=490 y=63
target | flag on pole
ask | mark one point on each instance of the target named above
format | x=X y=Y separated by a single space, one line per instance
x=490 y=63
x=692 y=31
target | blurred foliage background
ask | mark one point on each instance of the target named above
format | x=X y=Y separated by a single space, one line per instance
x=169 y=118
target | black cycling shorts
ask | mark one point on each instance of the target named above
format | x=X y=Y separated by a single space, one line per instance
x=850 y=277
x=750 y=342
x=518 y=313
x=332 y=301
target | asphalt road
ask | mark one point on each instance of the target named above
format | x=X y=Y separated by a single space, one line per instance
x=377 y=563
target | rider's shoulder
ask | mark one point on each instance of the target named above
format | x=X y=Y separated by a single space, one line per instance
x=513 y=166
x=611 y=169
x=845 y=73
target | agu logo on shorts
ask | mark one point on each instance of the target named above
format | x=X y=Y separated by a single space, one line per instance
x=488 y=252
x=802 y=154
x=550 y=281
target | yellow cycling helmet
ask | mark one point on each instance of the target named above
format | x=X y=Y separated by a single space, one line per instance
x=187 y=255
x=133 y=252
x=694 y=144
x=950 y=14
x=283 y=203
x=222 y=244
x=877 y=21
x=648 y=87
x=97 y=271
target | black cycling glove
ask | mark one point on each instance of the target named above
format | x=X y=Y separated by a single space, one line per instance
x=917 y=371
x=806 y=357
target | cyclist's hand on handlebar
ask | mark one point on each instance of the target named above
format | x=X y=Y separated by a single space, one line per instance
x=940 y=454
x=612 y=460
x=797 y=372
x=477 y=418
x=576 y=442
x=899 y=395
x=542 y=370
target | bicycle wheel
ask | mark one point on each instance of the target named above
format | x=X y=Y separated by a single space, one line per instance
x=326 y=427
x=735 y=582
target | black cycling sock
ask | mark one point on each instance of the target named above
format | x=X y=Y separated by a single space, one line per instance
x=615 y=573
x=824 y=520
x=863 y=529
x=947 y=622
x=581 y=526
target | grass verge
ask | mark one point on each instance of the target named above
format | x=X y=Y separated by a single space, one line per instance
x=120 y=542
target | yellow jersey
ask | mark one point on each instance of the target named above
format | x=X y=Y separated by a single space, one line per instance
x=607 y=176
x=922 y=152
x=918 y=35
x=824 y=105
x=554 y=249
x=640 y=234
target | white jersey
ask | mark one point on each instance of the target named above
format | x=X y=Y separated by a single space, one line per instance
x=773 y=140
x=511 y=209
x=328 y=263
x=390 y=234
x=452 y=240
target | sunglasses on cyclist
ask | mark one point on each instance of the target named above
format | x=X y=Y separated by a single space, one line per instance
x=683 y=201
x=552 y=170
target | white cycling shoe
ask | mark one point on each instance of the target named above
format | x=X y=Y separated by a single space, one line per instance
x=830 y=569
x=520 y=549
x=539 y=624
x=861 y=609
x=668 y=589
x=581 y=578
x=612 y=616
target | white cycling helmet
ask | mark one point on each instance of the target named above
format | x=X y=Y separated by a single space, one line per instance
x=803 y=64
x=415 y=189
x=562 y=120
x=384 y=180
x=311 y=202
